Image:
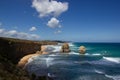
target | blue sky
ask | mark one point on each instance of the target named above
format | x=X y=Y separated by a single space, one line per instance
x=71 y=20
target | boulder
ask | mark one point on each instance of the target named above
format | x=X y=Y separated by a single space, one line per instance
x=82 y=49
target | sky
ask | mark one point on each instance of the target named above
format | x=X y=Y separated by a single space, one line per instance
x=69 y=20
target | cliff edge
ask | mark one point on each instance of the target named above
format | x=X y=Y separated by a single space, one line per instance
x=15 y=49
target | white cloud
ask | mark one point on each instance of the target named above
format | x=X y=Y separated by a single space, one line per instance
x=49 y=7
x=12 y=33
x=16 y=34
x=1 y=31
x=32 y=29
x=34 y=36
x=58 y=31
x=53 y=22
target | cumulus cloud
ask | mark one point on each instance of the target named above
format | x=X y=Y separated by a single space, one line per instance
x=32 y=29
x=16 y=34
x=1 y=31
x=53 y=22
x=49 y=7
x=12 y=33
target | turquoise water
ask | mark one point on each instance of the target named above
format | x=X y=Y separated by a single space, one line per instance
x=101 y=62
x=106 y=49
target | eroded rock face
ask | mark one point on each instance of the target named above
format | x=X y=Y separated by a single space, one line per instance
x=65 y=48
x=44 y=49
x=82 y=49
x=25 y=59
x=15 y=49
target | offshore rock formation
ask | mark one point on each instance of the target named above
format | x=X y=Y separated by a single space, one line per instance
x=82 y=49
x=65 y=48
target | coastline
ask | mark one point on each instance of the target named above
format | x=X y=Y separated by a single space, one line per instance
x=15 y=49
x=95 y=61
x=12 y=50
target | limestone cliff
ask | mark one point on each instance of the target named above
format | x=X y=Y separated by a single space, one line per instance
x=15 y=49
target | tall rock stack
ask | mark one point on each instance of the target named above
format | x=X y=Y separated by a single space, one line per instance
x=82 y=50
x=65 y=48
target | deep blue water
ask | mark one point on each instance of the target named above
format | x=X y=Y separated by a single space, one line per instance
x=101 y=62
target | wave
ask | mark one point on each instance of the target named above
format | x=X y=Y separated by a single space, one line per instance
x=80 y=65
x=98 y=71
x=62 y=66
x=71 y=44
x=53 y=48
x=32 y=59
x=74 y=53
x=115 y=77
x=97 y=54
x=86 y=54
x=93 y=77
x=112 y=59
x=60 y=44
x=49 y=61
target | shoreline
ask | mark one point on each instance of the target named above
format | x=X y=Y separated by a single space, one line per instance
x=12 y=50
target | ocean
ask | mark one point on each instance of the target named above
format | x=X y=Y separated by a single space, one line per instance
x=105 y=49
x=101 y=62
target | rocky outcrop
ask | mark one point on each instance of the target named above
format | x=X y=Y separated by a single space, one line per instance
x=65 y=48
x=44 y=50
x=25 y=59
x=82 y=49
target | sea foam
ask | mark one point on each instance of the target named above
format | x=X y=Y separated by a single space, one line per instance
x=116 y=60
x=115 y=77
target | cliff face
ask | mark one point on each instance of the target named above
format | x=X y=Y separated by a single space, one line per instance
x=15 y=49
x=9 y=71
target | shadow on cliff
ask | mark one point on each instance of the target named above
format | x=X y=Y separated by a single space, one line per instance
x=15 y=49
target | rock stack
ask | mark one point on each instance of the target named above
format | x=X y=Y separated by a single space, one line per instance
x=65 y=48
x=82 y=49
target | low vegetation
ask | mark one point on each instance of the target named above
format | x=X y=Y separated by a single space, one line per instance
x=9 y=71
